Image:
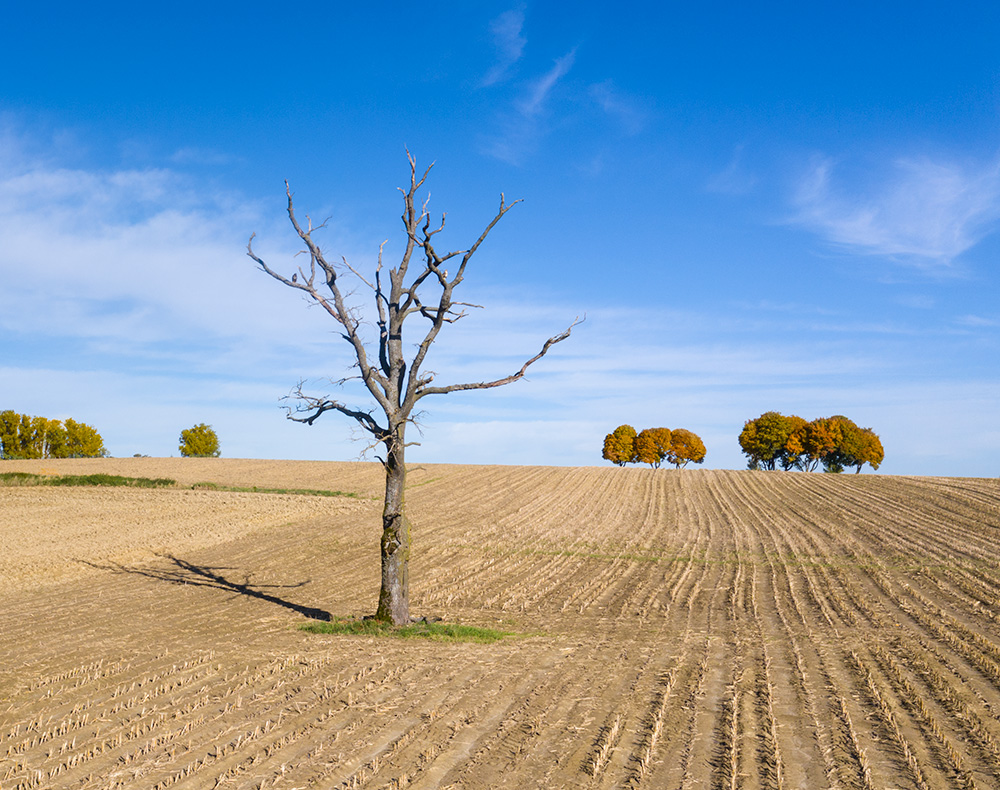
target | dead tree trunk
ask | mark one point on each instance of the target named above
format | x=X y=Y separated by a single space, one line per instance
x=394 y=596
x=395 y=383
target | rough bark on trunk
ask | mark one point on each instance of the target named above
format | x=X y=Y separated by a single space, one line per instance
x=394 y=595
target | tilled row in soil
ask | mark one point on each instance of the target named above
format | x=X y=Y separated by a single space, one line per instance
x=678 y=629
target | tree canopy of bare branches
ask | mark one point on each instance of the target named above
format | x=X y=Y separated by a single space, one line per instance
x=420 y=288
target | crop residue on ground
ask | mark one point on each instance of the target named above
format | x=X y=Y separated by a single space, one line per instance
x=681 y=629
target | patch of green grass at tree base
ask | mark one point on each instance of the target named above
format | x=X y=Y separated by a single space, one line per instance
x=438 y=632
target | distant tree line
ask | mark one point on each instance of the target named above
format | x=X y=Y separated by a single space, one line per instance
x=653 y=446
x=776 y=441
x=23 y=436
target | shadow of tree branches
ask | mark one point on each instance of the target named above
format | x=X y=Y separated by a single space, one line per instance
x=188 y=573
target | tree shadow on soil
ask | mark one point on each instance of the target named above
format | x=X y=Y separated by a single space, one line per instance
x=184 y=572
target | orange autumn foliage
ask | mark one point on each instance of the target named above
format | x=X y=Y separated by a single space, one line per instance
x=652 y=445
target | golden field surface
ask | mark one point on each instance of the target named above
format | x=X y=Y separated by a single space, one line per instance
x=676 y=629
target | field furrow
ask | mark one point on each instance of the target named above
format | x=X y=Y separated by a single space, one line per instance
x=674 y=629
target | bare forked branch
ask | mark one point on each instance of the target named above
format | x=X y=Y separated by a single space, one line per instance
x=396 y=382
x=484 y=385
x=333 y=304
x=358 y=274
x=312 y=408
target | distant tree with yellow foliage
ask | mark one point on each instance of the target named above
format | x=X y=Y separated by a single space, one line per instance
x=619 y=445
x=23 y=436
x=652 y=445
x=199 y=442
x=774 y=439
x=854 y=447
x=685 y=447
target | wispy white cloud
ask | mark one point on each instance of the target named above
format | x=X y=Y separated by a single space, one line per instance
x=734 y=179
x=146 y=265
x=615 y=104
x=922 y=210
x=550 y=100
x=537 y=97
x=130 y=304
x=509 y=40
x=979 y=322
x=525 y=124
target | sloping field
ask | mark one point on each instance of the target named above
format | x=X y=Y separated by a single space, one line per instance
x=694 y=629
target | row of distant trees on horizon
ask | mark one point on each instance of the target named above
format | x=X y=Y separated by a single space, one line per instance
x=775 y=440
x=653 y=446
x=25 y=437
x=771 y=441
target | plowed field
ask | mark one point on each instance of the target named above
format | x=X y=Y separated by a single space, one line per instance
x=693 y=629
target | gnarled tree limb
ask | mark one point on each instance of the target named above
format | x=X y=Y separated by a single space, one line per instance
x=419 y=284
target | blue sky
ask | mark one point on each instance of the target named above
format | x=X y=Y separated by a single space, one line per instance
x=780 y=206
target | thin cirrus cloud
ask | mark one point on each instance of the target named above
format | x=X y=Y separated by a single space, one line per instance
x=130 y=258
x=508 y=39
x=524 y=125
x=529 y=117
x=735 y=179
x=536 y=99
x=923 y=211
x=978 y=322
x=630 y=117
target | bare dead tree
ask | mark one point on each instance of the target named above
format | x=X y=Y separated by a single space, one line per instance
x=419 y=285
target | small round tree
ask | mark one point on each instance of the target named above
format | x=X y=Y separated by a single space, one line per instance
x=619 y=445
x=763 y=439
x=854 y=446
x=199 y=442
x=652 y=445
x=685 y=447
x=871 y=452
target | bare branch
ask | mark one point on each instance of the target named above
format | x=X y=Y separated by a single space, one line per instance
x=396 y=382
x=504 y=208
x=357 y=274
x=483 y=385
x=338 y=310
x=313 y=407
x=303 y=286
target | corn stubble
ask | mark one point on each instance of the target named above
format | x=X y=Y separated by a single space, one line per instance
x=684 y=629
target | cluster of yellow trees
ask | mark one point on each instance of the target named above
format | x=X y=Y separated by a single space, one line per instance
x=653 y=446
x=774 y=440
x=22 y=436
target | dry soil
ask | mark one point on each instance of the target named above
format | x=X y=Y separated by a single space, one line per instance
x=678 y=629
